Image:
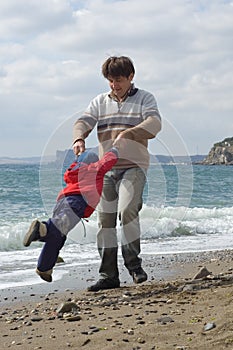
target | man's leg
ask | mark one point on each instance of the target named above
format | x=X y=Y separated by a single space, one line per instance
x=107 y=236
x=130 y=203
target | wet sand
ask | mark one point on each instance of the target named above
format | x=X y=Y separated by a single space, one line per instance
x=172 y=310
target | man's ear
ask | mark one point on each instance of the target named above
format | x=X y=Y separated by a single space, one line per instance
x=130 y=77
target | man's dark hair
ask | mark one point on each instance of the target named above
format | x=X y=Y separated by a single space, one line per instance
x=117 y=66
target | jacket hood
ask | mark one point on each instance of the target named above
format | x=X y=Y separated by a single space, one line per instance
x=87 y=157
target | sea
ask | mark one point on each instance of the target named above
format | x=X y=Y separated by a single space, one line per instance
x=187 y=208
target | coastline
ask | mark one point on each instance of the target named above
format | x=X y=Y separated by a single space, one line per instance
x=128 y=317
x=159 y=267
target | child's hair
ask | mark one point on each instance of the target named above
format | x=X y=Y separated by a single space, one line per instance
x=117 y=66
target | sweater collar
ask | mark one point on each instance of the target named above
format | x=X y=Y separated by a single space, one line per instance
x=132 y=91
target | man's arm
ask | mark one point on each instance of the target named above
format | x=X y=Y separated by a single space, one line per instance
x=147 y=129
x=151 y=124
x=86 y=123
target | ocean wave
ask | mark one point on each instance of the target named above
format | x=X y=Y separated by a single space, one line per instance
x=182 y=221
x=156 y=223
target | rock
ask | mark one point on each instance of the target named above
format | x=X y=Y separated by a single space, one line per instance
x=221 y=153
x=169 y=301
x=71 y=317
x=94 y=329
x=59 y=260
x=209 y=326
x=141 y=322
x=86 y=342
x=36 y=318
x=67 y=307
x=202 y=273
x=141 y=340
x=165 y=319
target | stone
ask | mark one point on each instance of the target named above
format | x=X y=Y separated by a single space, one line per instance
x=202 y=273
x=59 y=260
x=141 y=340
x=36 y=319
x=165 y=319
x=209 y=326
x=67 y=307
x=71 y=318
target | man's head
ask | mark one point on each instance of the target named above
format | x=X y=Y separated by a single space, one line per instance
x=118 y=67
x=120 y=72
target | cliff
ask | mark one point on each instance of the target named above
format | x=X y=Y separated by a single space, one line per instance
x=221 y=153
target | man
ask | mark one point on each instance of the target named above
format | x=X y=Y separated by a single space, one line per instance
x=126 y=117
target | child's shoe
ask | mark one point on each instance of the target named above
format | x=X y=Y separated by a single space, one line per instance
x=35 y=232
x=45 y=275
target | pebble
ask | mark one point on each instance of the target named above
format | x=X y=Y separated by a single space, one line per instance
x=209 y=326
x=141 y=322
x=140 y=340
x=60 y=260
x=67 y=307
x=202 y=273
x=71 y=318
x=165 y=319
x=86 y=342
x=94 y=329
x=36 y=319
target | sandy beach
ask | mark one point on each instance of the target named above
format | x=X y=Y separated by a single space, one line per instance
x=174 y=309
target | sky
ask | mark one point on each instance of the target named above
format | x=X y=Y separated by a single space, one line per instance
x=51 y=52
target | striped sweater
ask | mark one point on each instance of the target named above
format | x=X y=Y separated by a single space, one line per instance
x=137 y=117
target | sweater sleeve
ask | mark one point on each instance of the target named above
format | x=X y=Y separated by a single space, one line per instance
x=151 y=124
x=148 y=129
x=86 y=123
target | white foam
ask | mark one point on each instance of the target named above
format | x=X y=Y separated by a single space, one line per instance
x=155 y=223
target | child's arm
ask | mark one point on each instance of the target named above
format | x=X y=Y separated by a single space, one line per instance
x=107 y=161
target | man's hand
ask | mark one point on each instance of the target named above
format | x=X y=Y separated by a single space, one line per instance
x=120 y=142
x=79 y=147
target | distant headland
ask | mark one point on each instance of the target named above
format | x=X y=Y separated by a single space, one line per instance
x=66 y=157
x=221 y=153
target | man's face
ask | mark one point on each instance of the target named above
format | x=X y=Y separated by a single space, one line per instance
x=120 y=85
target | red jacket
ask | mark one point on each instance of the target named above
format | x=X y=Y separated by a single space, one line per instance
x=87 y=180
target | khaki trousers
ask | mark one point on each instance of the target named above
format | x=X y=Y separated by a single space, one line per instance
x=121 y=200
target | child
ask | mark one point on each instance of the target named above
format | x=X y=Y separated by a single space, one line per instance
x=84 y=183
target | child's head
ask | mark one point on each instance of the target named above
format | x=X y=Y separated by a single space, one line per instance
x=88 y=157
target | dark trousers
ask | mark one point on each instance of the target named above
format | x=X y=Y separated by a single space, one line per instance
x=66 y=215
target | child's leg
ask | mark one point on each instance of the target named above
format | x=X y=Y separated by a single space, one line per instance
x=66 y=215
x=54 y=241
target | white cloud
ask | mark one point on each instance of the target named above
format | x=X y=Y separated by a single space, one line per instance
x=22 y=19
x=51 y=54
